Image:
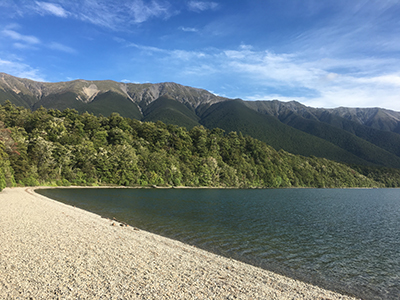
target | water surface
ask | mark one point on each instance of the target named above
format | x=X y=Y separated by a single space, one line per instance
x=347 y=240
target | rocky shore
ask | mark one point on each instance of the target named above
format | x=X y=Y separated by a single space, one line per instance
x=49 y=250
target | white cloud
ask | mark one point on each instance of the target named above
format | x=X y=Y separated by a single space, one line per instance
x=61 y=47
x=116 y=15
x=119 y=15
x=355 y=27
x=22 y=46
x=31 y=42
x=19 y=69
x=186 y=55
x=199 y=6
x=268 y=68
x=188 y=29
x=388 y=80
x=97 y=12
x=292 y=75
x=147 y=49
x=51 y=8
x=29 y=39
x=141 y=11
x=264 y=75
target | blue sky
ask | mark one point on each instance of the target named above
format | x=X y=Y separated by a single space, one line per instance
x=322 y=53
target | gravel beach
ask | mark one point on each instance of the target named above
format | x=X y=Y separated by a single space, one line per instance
x=49 y=250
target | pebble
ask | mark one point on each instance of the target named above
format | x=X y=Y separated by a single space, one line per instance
x=56 y=251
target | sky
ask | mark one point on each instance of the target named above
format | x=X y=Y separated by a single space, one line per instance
x=322 y=53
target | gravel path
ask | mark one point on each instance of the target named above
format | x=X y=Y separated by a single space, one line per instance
x=49 y=250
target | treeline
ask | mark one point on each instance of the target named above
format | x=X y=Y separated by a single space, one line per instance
x=50 y=147
x=387 y=176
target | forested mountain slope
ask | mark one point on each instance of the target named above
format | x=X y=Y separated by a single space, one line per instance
x=235 y=116
x=342 y=117
x=54 y=147
x=365 y=136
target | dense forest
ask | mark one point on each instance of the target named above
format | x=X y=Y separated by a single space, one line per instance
x=52 y=147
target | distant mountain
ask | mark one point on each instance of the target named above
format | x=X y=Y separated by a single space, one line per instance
x=100 y=97
x=348 y=128
x=367 y=136
x=377 y=118
x=302 y=136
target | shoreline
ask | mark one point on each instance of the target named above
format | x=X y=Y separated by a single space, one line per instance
x=53 y=250
x=193 y=187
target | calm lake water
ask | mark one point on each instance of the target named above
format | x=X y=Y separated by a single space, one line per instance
x=347 y=240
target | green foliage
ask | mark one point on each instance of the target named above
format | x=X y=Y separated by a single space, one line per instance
x=388 y=177
x=3 y=159
x=103 y=104
x=358 y=146
x=7 y=146
x=234 y=115
x=366 y=136
x=170 y=111
x=68 y=148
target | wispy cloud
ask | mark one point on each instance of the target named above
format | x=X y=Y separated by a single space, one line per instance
x=187 y=55
x=199 y=6
x=51 y=8
x=116 y=15
x=28 y=39
x=188 y=29
x=313 y=82
x=32 y=42
x=119 y=15
x=174 y=54
x=22 y=46
x=20 y=69
x=61 y=47
x=265 y=75
x=354 y=28
x=322 y=53
x=142 y=12
x=11 y=8
x=147 y=49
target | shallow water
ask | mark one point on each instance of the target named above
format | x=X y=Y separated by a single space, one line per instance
x=347 y=240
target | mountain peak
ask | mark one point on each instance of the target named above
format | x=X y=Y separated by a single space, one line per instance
x=354 y=135
x=86 y=91
x=80 y=93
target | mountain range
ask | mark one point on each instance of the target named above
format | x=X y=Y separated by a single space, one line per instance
x=362 y=136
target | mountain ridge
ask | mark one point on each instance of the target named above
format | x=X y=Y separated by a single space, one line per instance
x=87 y=90
x=365 y=116
x=368 y=136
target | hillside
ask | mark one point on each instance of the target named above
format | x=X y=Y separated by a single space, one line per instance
x=345 y=131
x=362 y=136
x=376 y=118
x=83 y=95
x=235 y=116
x=63 y=148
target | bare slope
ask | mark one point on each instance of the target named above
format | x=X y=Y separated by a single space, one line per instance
x=81 y=94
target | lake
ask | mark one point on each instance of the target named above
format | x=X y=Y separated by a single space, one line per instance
x=346 y=240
